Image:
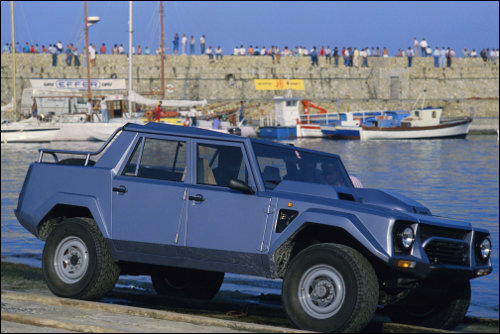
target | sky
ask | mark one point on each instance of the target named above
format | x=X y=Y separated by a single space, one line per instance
x=455 y=24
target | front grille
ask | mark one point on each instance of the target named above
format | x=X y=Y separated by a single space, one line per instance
x=447 y=252
x=427 y=231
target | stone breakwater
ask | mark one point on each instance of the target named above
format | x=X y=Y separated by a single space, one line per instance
x=386 y=84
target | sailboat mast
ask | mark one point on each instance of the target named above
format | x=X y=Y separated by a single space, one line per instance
x=162 y=54
x=87 y=52
x=130 y=57
x=14 y=101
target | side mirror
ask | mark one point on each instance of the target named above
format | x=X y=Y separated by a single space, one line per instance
x=240 y=186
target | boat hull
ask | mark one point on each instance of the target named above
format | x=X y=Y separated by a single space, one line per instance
x=29 y=135
x=278 y=132
x=341 y=132
x=453 y=129
x=309 y=131
x=86 y=131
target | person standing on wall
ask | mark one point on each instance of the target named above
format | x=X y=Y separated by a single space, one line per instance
x=409 y=54
x=202 y=44
x=436 y=56
x=191 y=45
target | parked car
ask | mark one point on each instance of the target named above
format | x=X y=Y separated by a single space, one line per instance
x=186 y=205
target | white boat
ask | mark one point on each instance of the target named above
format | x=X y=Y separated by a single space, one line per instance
x=227 y=127
x=421 y=124
x=350 y=122
x=28 y=131
x=89 y=131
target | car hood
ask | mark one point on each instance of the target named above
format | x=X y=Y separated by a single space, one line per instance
x=383 y=199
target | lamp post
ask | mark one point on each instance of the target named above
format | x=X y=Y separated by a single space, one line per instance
x=88 y=22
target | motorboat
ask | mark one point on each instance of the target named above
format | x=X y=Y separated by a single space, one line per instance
x=288 y=122
x=349 y=124
x=28 y=131
x=424 y=123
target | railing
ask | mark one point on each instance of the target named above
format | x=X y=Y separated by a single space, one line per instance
x=267 y=120
x=319 y=118
x=87 y=154
x=270 y=120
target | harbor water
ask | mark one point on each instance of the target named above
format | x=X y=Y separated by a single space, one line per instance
x=456 y=178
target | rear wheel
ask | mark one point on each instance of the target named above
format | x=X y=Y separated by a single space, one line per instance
x=187 y=283
x=76 y=261
x=440 y=304
x=330 y=288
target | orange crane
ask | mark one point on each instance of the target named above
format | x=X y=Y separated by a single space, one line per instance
x=308 y=104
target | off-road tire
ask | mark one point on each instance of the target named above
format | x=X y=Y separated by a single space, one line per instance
x=440 y=304
x=356 y=300
x=99 y=272
x=187 y=283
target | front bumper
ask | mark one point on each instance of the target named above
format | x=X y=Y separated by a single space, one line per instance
x=422 y=270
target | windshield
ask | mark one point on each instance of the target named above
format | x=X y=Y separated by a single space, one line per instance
x=282 y=163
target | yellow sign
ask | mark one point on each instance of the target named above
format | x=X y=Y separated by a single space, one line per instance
x=278 y=84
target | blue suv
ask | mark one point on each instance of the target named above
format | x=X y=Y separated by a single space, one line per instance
x=186 y=205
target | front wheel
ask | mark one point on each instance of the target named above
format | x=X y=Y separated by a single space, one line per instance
x=440 y=304
x=187 y=283
x=330 y=288
x=76 y=261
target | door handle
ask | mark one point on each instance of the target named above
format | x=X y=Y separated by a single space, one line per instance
x=120 y=189
x=197 y=198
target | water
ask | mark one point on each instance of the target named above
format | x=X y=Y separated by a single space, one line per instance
x=456 y=178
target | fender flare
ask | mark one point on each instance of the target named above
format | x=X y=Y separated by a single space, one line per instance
x=89 y=202
x=346 y=221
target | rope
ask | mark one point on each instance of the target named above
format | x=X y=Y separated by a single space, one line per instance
x=26 y=23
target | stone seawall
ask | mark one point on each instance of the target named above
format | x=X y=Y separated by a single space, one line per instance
x=386 y=84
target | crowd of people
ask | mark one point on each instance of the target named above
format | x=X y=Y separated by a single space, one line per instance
x=348 y=56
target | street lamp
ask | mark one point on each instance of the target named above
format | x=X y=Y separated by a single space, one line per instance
x=91 y=20
x=88 y=22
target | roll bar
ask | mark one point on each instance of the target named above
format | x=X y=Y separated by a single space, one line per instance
x=87 y=154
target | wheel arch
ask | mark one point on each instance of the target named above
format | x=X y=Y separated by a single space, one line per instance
x=59 y=213
x=70 y=206
x=312 y=233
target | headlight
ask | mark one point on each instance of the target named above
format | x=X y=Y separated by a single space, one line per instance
x=407 y=237
x=484 y=249
x=404 y=238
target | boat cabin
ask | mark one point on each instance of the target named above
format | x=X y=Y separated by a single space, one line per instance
x=286 y=111
x=423 y=117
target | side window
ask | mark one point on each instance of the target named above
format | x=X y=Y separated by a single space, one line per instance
x=217 y=164
x=131 y=166
x=160 y=159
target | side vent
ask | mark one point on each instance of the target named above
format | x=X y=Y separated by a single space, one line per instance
x=346 y=197
x=285 y=217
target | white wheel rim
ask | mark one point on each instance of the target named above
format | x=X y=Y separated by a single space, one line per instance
x=71 y=260
x=321 y=291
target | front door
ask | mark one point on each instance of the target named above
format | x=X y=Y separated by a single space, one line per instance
x=224 y=225
x=148 y=198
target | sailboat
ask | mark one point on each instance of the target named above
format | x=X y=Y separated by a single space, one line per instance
x=26 y=131
x=226 y=127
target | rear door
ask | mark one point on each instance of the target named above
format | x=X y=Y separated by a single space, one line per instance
x=148 y=197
